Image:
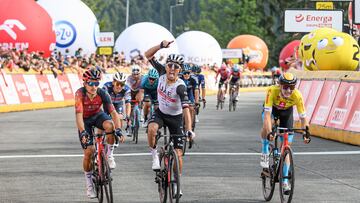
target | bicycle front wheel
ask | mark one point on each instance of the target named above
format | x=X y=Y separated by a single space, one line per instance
x=174 y=177
x=268 y=176
x=161 y=177
x=287 y=193
x=106 y=181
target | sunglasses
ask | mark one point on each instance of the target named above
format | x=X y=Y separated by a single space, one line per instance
x=136 y=73
x=119 y=84
x=152 y=79
x=285 y=87
x=186 y=73
x=93 y=83
x=173 y=65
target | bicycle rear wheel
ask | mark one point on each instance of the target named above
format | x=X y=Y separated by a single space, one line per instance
x=268 y=176
x=106 y=181
x=286 y=196
x=161 y=177
x=173 y=174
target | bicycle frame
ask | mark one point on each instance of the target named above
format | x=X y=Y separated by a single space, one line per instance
x=135 y=120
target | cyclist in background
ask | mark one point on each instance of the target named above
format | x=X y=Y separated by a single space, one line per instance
x=120 y=93
x=202 y=91
x=224 y=73
x=134 y=82
x=88 y=102
x=192 y=89
x=279 y=103
x=235 y=76
x=173 y=103
x=148 y=88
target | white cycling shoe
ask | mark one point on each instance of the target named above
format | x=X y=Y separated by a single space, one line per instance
x=90 y=192
x=155 y=160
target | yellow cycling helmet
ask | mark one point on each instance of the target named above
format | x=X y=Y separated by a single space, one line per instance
x=287 y=79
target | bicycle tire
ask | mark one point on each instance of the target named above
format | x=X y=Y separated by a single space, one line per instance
x=96 y=179
x=184 y=147
x=137 y=126
x=173 y=170
x=234 y=105
x=286 y=198
x=267 y=176
x=106 y=182
x=162 y=177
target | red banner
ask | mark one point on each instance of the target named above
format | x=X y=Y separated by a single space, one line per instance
x=353 y=122
x=313 y=97
x=65 y=87
x=342 y=105
x=325 y=101
x=21 y=89
x=45 y=88
x=304 y=88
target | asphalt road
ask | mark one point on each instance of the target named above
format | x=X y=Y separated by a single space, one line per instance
x=40 y=161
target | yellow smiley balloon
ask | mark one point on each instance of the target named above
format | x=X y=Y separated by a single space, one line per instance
x=308 y=45
x=336 y=51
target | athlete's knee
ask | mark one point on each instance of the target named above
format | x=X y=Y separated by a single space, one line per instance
x=152 y=129
x=108 y=126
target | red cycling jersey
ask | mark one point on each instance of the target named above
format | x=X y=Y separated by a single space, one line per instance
x=224 y=74
x=235 y=75
x=88 y=107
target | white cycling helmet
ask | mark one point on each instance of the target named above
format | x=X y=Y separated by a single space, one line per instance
x=120 y=77
x=135 y=69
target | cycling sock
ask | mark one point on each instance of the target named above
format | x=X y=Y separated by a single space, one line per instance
x=88 y=177
x=146 y=117
x=265 y=146
x=112 y=147
x=285 y=172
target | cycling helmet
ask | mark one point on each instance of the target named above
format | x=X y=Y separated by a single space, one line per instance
x=187 y=68
x=153 y=73
x=236 y=68
x=120 y=77
x=223 y=66
x=196 y=69
x=287 y=79
x=92 y=74
x=174 y=58
x=135 y=69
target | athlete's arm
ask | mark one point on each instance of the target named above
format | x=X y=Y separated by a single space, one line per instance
x=267 y=111
x=181 y=91
x=79 y=111
x=127 y=98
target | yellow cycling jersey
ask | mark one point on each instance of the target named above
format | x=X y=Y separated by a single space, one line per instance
x=274 y=98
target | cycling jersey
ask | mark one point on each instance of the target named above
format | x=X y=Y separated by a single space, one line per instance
x=119 y=98
x=224 y=74
x=172 y=97
x=235 y=77
x=201 y=80
x=191 y=86
x=88 y=107
x=133 y=84
x=149 y=89
x=274 y=99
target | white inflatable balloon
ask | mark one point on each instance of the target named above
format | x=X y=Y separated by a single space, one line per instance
x=75 y=25
x=199 y=48
x=142 y=36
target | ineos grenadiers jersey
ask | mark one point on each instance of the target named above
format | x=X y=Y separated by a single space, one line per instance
x=119 y=98
x=172 y=97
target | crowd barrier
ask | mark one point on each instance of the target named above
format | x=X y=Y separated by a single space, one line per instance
x=332 y=103
x=30 y=90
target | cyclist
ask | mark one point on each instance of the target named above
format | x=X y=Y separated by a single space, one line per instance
x=235 y=76
x=279 y=103
x=119 y=93
x=224 y=77
x=192 y=90
x=202 y=90
x=173 y=103
x=134 y=82
x=148 y=88
x=88 y=102
x=275 y=74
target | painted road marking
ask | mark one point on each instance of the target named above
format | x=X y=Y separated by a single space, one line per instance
x=187 y=154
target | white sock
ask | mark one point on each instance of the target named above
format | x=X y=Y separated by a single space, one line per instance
x=88 y=177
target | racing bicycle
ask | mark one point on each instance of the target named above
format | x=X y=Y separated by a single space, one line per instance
x=232 y=98
x=274 y=174
x=135 y=120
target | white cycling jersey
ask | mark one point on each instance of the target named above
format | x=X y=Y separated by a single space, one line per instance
x=169 y=100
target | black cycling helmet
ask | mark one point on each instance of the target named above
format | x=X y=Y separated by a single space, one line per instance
x=92 y=74
x=174 y=58
x=287 y=79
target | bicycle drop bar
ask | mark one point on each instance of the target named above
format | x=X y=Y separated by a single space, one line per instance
x=116 y=137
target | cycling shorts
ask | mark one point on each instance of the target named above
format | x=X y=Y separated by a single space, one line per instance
x=174 y=124
x=285 y=117
x=221 y=82
x=234 y=81
x=97 y=121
